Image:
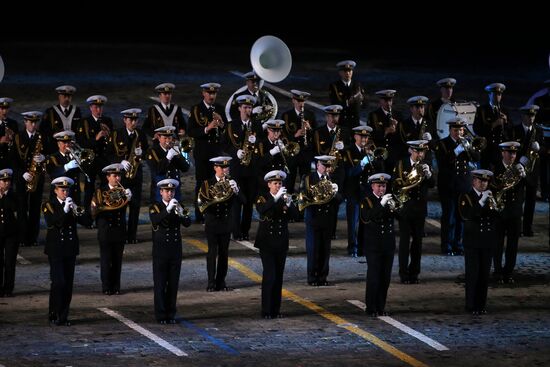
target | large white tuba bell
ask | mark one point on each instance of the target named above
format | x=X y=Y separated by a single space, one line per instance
x=270 y=59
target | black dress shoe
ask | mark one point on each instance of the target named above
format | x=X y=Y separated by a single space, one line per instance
x=482 y=311
x=8 y=294
x=226 y=289
x=313 y=284
x=266 y=316
x=414 y=281
x=245 y=237
x=383 y=313
x=475 y=313
x=279 y=316
x=211 y=288
x=162 y=322
x=63 y=323
x=107 y=293
x=405 y=281
x=507 y=280
x=52 y=318
x=171 y=321
x=116 y=292
x=372 y=314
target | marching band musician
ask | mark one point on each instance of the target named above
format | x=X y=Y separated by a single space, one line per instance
x=506 y=173
x=167 y=215
x=360 y=163
x=8 y=234
x=455 y=157
x=377 y=218
x=127 y=146
x=319 y=219
x=60 y=117
x=165 y=160
x=63 y=163
x=479 y=217
x=446 y=89
x=28 y=153
x=206 y=126
x=543 y=118
x=93 y=132
x=347 y=93
x=275 y=209
x=531 y=139
x=218 y=224
x=384 y=123
x=8 y=127
x=244 y=151
x=299 y=126
x=271 y=151
x=416 y=127
x=493 y=122
x=111 y=229
x=253 y=82
x=62 y=247
x=164 y=113
x=413 y=213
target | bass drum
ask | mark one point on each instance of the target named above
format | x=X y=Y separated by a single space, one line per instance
x=232 y=111
x=448 y=111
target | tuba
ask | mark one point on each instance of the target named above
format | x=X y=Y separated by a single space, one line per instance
x=218 y=193
x=318 y=194
x=35 y=168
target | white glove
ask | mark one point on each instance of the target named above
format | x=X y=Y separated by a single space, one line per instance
x=72 y=164
x=275 y=150
x=257 y=110
x=138 y=151
x=128 y=194
x=234 y=186
x=385 y=199
x=459 y=149
x=524 y=161
x=240 y=154
x=288 y=201
x=535 y=146
x=126 y=165
x=427 y=171
x=365 y=161
x=171 y=205
x=427 y=136
x=339 y=145
x=264 y=126
x=27 y=176
x=68 y=204
x=252 y=139
x=521 y=170
x=484 y=196
x=280 y=193
x=171 y=154
x=334 y=187
x=39 y=158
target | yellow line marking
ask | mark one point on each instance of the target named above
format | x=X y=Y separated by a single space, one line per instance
x=249 y=273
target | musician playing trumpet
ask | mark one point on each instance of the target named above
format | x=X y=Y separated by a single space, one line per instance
x=63 y=163
x=479 y=214
x=275 y=208
x=271 y=151
x=111 y=227
x=167 y=249
x=413 y=177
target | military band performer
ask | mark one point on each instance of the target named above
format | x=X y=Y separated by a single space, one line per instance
x=299 y=126
x=62 y=247
x=446 y=89
x=244 y=136
x=165 y=160
x=8 y=128
x=217 y=216
x=479 y=214
x=207 y=127
x=93 y=132
x=63 y=163
x=167 y=215
x=455 y=158
x=348 y=93
x=493 y=122
x=414 y=209
x=377 y=217
x=509 y=174
x=127 y=146
x=8 y=234
x=271 y=151
x=531 y=154
x=164 y=113
x=319 y=218
x=275 y=208
x=60 y=117
x=111 y=227
x=253 y=88
x=543 y=118
x=29 y=162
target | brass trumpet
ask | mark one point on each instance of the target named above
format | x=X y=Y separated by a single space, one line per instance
x=78 y=211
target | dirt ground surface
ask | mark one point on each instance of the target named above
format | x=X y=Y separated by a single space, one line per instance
x=321 y=327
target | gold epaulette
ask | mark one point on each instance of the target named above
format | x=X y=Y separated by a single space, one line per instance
x=260 y=200
x=333 y=85
x=54 y=160
x=153 y=155
x=154 y=209
x=348 y=153
x=232 y=136
x=369 y=201
x=47 y=207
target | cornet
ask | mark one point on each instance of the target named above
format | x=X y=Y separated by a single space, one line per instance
x=78 y=211
x=394 y=204
x=181 y=212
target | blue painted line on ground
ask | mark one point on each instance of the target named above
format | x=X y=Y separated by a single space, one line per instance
x=214 y=340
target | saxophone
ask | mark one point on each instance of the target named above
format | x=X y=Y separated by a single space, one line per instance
x=35 y=168
x=248 y=147
x=333 y=151
x=532 y=154
x=134 y=159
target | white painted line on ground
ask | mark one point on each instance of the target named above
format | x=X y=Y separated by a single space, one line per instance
x=21 y=260
x=132 y=325
x=418 y=335
x=433 y=222
x=248 y=245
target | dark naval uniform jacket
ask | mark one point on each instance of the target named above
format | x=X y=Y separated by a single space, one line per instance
x=454 y=172
x=166 y=231
x=320 y=215
x=339 y=94
x=218 y=216
x=61 y=236
x=273 y=229
x=378 y=222
x=8 y=209
x=5 y=148
x=417 y=205
x=513 y=198
x=52 y=122
x=111 y=224
x=162 y=167
x=479 y=222
x=157 y=115
x=207 y=145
